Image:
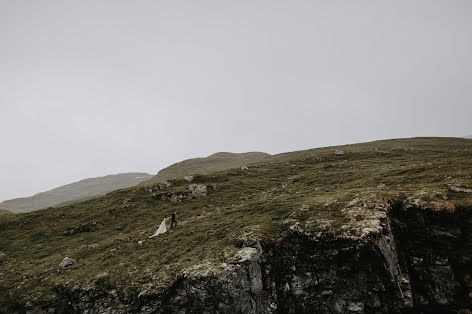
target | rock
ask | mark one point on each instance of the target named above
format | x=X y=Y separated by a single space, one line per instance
x=339 y=153
x=197 y=190
x=164 y=185
x=67 y=261
x=356 y=307
x=244 y=168
x=433 y=200
x=140 y=242
x=295 y=178
x=247 y=254
x=93 y=246
x=228 y=288
x=459 y=188
x=188 y=178
x=3 y=257
x=175 y=198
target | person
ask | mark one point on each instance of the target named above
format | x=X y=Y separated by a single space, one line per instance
x=173 y=220
x=161 y=229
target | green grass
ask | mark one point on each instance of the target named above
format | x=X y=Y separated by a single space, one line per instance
x=313 y=185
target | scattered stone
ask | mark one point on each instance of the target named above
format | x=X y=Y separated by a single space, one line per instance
x=140 y=242
x=188 y=178
x=113 y=250
x=339 y=153
x=67 y=261
x=244 y=168
x=3 y=257
x=93 y=246
x=381 y=186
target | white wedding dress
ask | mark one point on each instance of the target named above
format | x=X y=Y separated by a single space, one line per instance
x=162 y=229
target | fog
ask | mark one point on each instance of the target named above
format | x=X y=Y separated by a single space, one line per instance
x=90 y=88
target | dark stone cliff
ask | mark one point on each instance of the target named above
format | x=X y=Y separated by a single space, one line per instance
x=411 y=255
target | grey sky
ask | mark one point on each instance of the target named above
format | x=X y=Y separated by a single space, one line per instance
x=89 y=88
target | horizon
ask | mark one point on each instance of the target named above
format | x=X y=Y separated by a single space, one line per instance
x=272 y=154
x=93 y=88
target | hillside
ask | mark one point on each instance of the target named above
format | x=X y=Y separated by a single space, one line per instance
x=380 y=227
x=74 y=191
x=215 y=162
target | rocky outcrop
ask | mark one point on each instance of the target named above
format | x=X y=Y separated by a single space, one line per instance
x=393 y=257
x=459 y=188
x=194 y=191
x=408 y=255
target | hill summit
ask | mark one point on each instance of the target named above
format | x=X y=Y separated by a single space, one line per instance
x=216 y=162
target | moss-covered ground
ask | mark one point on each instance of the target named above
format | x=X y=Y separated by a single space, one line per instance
x=255 y=200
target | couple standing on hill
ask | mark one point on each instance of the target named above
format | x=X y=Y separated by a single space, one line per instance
x=162 y=227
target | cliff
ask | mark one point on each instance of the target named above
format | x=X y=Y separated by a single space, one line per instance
x=380 y=227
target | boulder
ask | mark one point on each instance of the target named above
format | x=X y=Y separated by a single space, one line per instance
x=188 y=178
x=165 y=185
x=459 y=188
x=339 y=153
x=93 y=246
x=198 y=190
x=67 y=261
x=244 y=168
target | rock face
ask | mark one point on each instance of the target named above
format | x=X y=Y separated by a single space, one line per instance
x=407 y=256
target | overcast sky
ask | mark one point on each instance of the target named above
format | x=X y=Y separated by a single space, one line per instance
x=90 y=88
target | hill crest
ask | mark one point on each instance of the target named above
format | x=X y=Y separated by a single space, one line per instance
x=204 y=165
x=75 y=191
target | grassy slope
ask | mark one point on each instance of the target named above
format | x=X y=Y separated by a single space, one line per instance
x=215 y=162
x=74 y=191
x=258 y=200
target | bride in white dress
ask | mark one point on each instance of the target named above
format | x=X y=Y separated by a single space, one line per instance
x=162 y=229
